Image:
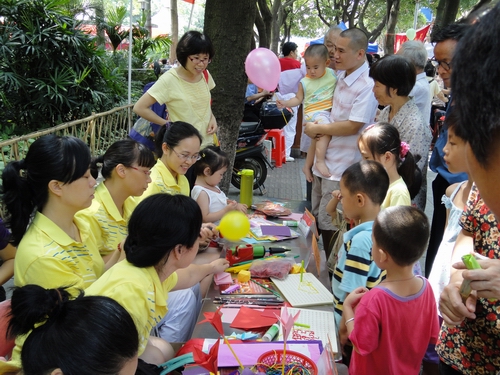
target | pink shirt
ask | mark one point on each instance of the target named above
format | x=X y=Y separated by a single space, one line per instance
x=391 y=333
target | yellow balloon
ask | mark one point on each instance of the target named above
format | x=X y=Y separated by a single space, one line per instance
x=234 y=225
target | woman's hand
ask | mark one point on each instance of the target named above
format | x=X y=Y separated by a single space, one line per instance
x=486 y=281
x=219 y=265
x=212 y=125
x=452 y=307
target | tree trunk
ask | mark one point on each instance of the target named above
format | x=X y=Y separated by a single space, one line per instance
x=392 y=20
x=451 y=11
x=267 y=18
x=277 y=12
x=174 y=32
x=261 y=29
x=230 y=27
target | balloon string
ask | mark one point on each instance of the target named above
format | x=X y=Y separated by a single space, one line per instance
x=284 y=117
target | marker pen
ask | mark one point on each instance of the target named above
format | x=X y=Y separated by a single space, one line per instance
x=271 y=332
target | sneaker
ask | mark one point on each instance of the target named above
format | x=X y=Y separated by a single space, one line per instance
x=289 y=158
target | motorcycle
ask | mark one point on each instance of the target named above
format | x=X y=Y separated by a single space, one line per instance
x=250 y=144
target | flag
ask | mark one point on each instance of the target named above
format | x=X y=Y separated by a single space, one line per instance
x=189 y=1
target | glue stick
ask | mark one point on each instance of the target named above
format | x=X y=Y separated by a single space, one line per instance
x=271 y=332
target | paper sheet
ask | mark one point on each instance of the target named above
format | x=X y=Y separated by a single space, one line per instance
x=309 y=292
x=321 y=326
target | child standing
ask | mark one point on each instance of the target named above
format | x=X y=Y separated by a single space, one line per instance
x=209 y=170
x=401 y=307
x=316 y=93
x=381 y=142
x=363 y=187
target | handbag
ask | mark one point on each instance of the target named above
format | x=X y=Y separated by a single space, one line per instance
x=144 y=132
x=337 y=240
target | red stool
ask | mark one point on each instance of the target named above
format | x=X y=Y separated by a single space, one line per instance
x=278 y=153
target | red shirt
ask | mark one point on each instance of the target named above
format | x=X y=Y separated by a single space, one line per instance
x=288 y=64
x=391 y=333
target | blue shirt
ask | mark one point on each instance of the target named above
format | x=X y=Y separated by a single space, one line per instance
x=437 y=164
x=355 y=266
x=251 y=90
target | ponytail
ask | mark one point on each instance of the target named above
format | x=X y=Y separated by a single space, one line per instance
x=411 y=173
x=96 y=166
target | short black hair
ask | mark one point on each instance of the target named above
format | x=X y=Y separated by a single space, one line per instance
x=475 y=75
x=151 y=238
x=317 y=50
x=454 y=31
x=368 y=177
x=358 y=39
x=288 y=48
x=193 y=43
x=430 y=69
x=395 y=72
x=402 y=232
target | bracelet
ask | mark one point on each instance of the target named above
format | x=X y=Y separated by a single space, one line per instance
x=348 y=321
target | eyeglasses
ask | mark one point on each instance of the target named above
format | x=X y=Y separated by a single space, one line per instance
x=147 y=173
x=185 y=157
x=443 y=64
x=196 y=60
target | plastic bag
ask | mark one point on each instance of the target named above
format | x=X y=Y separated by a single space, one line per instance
x=278 y=268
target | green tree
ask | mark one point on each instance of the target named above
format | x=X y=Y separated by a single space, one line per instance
x=50 y=71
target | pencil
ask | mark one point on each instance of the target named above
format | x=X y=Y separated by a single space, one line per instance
x=301 y=270
x=266 y=288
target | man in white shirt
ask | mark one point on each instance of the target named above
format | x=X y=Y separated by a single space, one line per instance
x=354 y=107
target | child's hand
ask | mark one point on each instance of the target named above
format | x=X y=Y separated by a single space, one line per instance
x=231 y=205
x=336 y=195
x=308 y=173
x=280 y=104
x=219 y=265
x=242 y=207
x=355 y=296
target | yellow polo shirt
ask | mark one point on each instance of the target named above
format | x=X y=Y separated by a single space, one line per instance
x=48 y=257
x=162 y=181
x=140 y=292
x=106 y=223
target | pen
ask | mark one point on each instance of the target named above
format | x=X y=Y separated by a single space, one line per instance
x=301 y=270
x=267 y=288
x=302 y=325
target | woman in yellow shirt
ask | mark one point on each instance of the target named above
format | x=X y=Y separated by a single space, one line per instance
x=159 y=255
x=55 y=249
x=177 y=148
x=125 y=167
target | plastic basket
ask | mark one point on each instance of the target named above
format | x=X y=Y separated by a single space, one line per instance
x=275 y=358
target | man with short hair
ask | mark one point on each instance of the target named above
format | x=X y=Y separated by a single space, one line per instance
x=354 y=107
x=289 y=60
x=445 y=41
x=415 y=52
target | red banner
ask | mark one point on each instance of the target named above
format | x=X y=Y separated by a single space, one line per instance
x=189 y=1
x=401 y=38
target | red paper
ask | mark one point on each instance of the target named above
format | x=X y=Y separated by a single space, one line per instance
x=248 y=319
x=215 y=319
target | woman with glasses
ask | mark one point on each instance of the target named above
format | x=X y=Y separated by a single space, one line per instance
x=185 y=89
x=125 y=167
x=394 y=78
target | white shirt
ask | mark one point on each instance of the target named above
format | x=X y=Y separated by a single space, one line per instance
x=421 y=94
x=353 y=100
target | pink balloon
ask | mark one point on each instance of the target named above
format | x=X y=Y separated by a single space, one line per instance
x=263 y=68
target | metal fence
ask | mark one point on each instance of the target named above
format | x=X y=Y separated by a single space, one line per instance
x=99 y=131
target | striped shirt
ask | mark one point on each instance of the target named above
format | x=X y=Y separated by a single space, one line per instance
x=318 y=92
x=355 y=266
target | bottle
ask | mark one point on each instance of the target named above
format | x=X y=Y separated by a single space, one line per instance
x=290 y=223
x=246 y=187
x=271 y=332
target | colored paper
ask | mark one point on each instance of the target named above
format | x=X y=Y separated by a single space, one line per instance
x=248 y=319
x=287 y=321
x=275 y=230
x=293 y=216
x=223 y=278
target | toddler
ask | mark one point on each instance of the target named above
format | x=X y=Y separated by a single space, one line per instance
x=209 y=170
x=391 y=325
x=316 y=93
